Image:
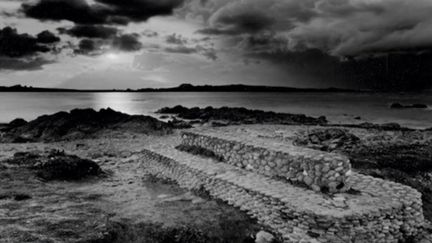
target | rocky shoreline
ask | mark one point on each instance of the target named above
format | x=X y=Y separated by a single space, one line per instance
x=98 y=149
x=78 y=124
x=235 y=116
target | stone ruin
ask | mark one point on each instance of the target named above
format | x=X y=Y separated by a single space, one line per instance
x=301 y=195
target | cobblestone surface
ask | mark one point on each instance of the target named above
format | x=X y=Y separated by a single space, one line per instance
x=320 y=171
x=381 y=211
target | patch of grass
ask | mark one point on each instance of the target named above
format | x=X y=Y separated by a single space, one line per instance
x=411 y=159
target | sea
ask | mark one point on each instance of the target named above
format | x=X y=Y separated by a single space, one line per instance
x=338 y=107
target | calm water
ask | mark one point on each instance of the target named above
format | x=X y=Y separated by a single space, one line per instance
x=338 y=107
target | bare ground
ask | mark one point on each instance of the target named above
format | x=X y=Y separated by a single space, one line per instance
x=124 y=205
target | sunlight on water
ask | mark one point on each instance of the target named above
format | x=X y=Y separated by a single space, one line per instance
x=123 y=102
x=338 y=107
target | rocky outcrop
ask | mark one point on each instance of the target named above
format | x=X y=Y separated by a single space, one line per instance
x=329 y=139
x=80 y=123
x=55 y=165
x=17 y=123
x=240 y=116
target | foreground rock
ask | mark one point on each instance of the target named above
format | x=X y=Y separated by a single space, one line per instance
x=80 y=123
x=229 y=116
x=55 y=165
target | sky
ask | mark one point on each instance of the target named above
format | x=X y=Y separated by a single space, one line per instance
x=107 y=44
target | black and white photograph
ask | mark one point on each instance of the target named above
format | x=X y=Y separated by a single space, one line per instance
x=216 y=121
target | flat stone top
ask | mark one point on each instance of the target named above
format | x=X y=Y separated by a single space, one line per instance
x=375 y=194
x=240 y=135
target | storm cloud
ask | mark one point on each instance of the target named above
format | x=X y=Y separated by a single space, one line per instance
x=90 y=31
x=47 y=37
x=361 y=43
x=24 y=51
x=127 y=42
x=15 y=45
x=377 y=44
x=28 y=64
x=99 y=12
x=337 y=27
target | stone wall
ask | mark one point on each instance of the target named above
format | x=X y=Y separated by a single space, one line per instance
x=320 y=171
x=381 y=211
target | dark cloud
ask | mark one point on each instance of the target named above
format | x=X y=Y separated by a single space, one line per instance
x=91 y=31
x=23 y=51
x=181 y=49
x=149 y=33
x=208 y=53
x=387 y=72
x=31 y=64
x=96 y=45
x=127 y=42
x=101 y=12
x=176 y=39
x=47 y=37
x=215 y=31
x=242 y=22
x=356 y=43
x=338 y=27
x=141 y=10
x=77 y=11
x=89 y=47
x=13 y=44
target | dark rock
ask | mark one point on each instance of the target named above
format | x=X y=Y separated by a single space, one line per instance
x=56 y=165
x=164 y=117
x=357 y=118
x=391 y=126
x=396 y=106
x=328 y=139
x=368 y=125
x=23 y=139
x=174 y=110
x=241 y=116
x=419 y=106
x=17 y=123
x=82 y=123
x=220 y=123
x=413 y=106
x=195 y=121
x=179 y=124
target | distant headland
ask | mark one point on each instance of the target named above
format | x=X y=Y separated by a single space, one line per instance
x=182 y=88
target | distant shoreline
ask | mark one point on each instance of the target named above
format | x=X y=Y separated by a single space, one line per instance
x=186 y=88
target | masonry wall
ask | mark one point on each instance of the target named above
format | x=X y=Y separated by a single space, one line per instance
x=383 y=224
x=320 y=171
